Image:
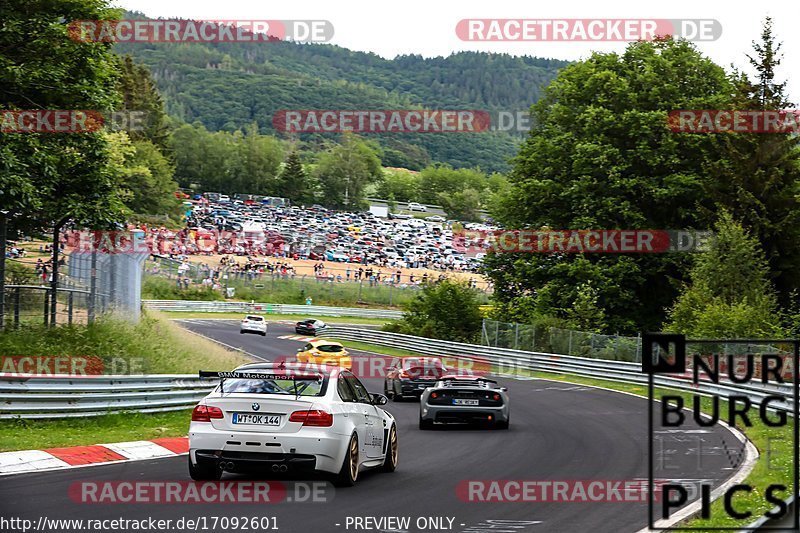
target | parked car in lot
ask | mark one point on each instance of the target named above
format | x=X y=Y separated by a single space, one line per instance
x=414 y=206
x=435 y=218
x=282 y=417
x=323 y=352
x=253 y=324
x=310 y=326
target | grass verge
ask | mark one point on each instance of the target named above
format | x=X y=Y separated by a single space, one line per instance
x=155 y=346
x=121 y=427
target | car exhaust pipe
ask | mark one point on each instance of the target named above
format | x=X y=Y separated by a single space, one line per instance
x=284 y=468
x=228 y=466
x=275 y=468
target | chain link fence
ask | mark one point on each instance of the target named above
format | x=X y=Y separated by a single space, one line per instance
x=562 y=341
x=335 y=288
x=89 y=285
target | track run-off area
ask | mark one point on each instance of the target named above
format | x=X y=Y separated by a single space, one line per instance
x=559 y=432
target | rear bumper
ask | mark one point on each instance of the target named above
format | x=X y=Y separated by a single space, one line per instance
x=462 y=414
x=249 y=329
x=251 y=461
x=414 y=388
x=308 y=449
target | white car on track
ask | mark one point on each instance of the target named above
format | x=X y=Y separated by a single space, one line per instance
x=253 y=324
x=289 y=418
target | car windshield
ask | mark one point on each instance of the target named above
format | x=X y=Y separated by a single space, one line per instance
x=330 y=348
x=288 y=386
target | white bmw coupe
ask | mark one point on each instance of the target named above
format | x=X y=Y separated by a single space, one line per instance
x=288 y=418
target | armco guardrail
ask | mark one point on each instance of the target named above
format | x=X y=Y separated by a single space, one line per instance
x=508 y=361
x=64 y=396
x=265 y=308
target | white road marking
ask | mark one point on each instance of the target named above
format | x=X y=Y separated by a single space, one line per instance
x=140 y=449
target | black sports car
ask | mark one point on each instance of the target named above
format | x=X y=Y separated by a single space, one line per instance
x=311 y=326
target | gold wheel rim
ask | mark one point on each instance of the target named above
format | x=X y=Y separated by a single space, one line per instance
x=393 y=444
x=353 y=458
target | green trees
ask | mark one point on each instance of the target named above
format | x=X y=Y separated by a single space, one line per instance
x=48 y=180
x=756 y=176
x=345 y=170
x=461 y=205
x=226 y=162
x=257 y=162
x=730 y=294
x=140 y=95
x=293 y=181
x=401 y=185
x=226 y=87
x=445 y=310
x=600 y=156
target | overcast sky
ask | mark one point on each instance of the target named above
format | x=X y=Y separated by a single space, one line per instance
x=427 y=27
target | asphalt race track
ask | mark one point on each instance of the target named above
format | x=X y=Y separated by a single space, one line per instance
x=558 y=432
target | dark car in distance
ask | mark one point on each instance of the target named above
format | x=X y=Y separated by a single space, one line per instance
x=310 y=326
x=412 y=377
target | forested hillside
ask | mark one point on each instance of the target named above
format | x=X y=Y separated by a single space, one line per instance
x=227 y=86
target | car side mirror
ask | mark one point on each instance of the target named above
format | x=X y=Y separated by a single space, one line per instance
x=379 y=399
x=299 y=349
x=504 y=389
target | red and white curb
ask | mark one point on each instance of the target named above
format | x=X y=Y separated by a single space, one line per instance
x=78 y=456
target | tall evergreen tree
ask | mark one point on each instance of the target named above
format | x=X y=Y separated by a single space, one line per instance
x=293 y=182
x=757 y=175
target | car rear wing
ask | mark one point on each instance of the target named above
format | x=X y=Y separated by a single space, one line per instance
x=285 y=374
x=288 y=374
x=481 y=379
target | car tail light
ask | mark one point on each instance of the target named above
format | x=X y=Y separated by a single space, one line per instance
x=312 y=417
x=496 y=397
x=204 y=413
x=434 y=395
x=403 y=375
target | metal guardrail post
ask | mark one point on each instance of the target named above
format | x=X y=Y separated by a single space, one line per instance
x=46 y=307
x=16 y=307
x=92 y=286
x=69 y=307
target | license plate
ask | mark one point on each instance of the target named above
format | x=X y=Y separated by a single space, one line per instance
x=461 y=401
x=257 y=419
